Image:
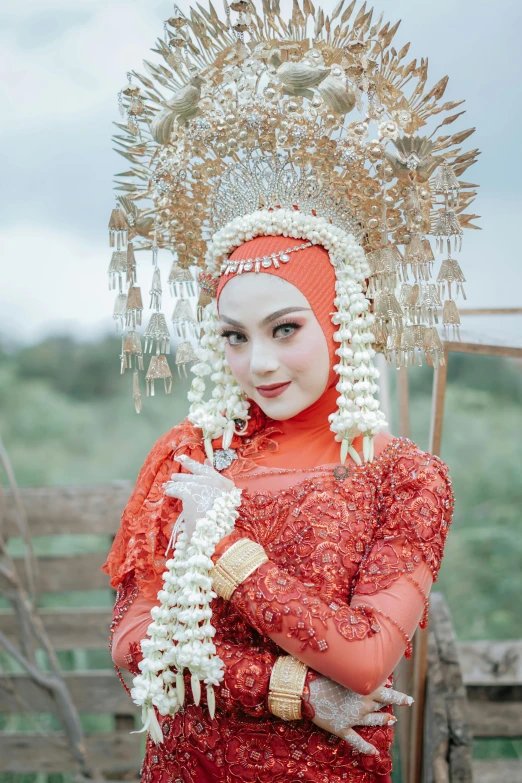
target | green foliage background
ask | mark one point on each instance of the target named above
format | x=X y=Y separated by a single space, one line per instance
x=67 y=417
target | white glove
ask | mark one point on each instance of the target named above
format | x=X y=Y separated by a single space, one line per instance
x=198 y=493
x=337 y=709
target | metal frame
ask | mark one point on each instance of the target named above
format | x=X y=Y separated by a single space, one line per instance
x=413 y=672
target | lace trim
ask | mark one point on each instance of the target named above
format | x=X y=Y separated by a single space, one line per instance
x=424 y=619
x=125 y=596
x=409 y=648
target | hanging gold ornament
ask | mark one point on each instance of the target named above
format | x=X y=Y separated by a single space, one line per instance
x=158 y=369
x=246 y=111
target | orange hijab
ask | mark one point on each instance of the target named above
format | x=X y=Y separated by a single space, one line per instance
x=306 y=439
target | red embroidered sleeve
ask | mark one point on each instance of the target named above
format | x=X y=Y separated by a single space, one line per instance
x=147 y=521
x=247 y=665
x=136 y=563
x=360 y=643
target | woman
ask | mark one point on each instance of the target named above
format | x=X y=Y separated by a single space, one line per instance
x=343 y=556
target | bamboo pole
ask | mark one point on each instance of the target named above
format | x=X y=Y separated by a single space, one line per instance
x=404 y=402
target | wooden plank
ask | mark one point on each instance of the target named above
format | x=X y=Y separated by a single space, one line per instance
x=512 y=352
x=110 y=752
x=435 y=768
x=404 y=402
x=66 y=574
x=494 y=692
x=403 y=681
x=490 y=310
x=96 y=691
x=420 y=661
x=497 y=771
x=440 y=376
x=495 y=719
x=68 y=629
x=452 y=686
x=94 y=508
x=491 y=662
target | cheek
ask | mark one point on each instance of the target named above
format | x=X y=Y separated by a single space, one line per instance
x=238 y=361
x=308 y=353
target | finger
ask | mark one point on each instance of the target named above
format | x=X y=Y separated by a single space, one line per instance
x=195 y=467
x=358 y=743
x=377 y=719
x=190 y=479
x=182 y=490
x=203 y=472
x=390 y=696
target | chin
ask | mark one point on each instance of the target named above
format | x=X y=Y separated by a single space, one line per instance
x=278 y=409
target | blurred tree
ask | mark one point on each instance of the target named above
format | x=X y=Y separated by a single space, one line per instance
x=84 y=371
x=67 y=417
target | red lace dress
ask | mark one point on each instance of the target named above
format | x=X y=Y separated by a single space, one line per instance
x=352 y=556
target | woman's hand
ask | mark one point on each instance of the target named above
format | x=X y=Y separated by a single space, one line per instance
x=197 y=490
x=338 y=709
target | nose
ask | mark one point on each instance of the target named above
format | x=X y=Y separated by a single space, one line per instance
x=263 y=360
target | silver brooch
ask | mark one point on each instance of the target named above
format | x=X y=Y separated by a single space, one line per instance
x=223 y=458
x=340 y=472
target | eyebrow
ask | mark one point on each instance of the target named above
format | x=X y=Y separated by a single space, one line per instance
x=266 y=320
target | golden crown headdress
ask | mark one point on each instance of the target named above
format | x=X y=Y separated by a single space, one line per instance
x=319 y=111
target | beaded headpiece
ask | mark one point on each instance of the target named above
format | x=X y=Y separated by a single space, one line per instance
x=315 y=127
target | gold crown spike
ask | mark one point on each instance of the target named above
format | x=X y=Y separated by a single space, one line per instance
x=158 y=368
x=120 y=310
x=184 y=355
x=450 y=272
x=159 y=331
x=117 y=268
x=183 y=319
x=134 y=307
x=245 y=110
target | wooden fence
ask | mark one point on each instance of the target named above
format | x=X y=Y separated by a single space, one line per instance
x=472 y=688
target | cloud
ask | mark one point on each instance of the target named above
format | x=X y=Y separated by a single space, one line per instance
x=66 y=64
x=55 y=282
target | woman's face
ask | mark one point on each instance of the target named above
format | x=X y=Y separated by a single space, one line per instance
x=272 y=337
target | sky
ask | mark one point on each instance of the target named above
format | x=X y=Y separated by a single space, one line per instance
x=63 y=64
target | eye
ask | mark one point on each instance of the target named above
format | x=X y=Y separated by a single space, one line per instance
x=230 y=336
x=286 y=329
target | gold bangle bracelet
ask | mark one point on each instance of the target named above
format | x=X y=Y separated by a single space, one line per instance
x=286 y=687
x=235 y=565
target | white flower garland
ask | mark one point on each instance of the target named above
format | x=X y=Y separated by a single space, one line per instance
x=358 y=409
x=180 y=636
x=227 y=397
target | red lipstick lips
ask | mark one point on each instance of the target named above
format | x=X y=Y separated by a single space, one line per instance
x=273 y=390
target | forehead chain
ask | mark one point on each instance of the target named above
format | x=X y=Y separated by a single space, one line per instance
x=266 y=261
